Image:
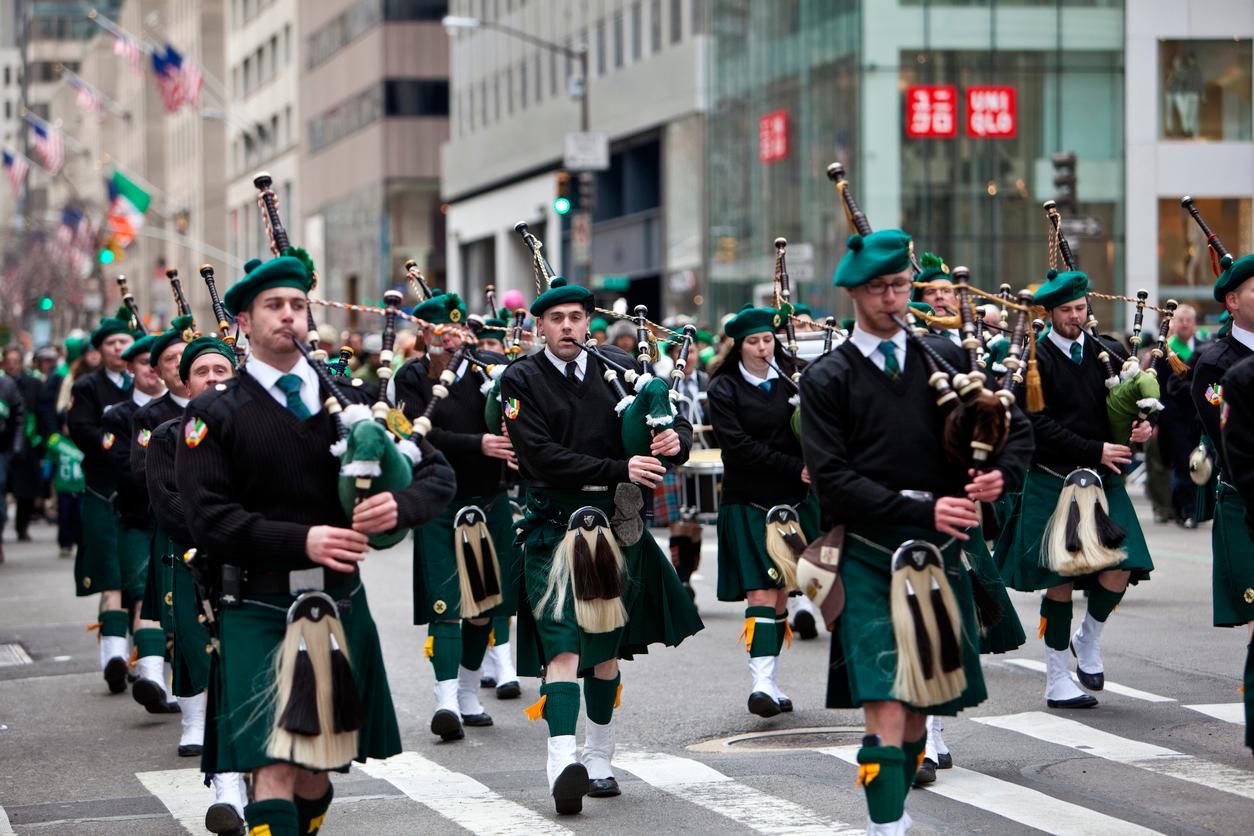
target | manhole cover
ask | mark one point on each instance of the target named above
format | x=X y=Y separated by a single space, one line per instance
x=820 y=737
x=13 y=654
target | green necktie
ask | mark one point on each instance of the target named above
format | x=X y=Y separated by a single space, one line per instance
x=891 y=368
x=765 y=386
x=1077 y=352
x=127 y=380
x=290 y=384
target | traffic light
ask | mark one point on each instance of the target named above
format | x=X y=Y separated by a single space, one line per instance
x=45 y=303
x=106 y=255
x=1064 y=182
x=561 y=203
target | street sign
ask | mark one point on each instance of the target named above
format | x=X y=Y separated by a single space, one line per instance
x=581 y=238
x=1089 y=227
x=931 y=111
x=586 y=152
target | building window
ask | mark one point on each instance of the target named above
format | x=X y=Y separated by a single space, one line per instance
x=1184 y=262
x=553 y=73
x=637 y=31
x=618 y=40
x=677 y=20
x=1206 y=90
x=698 y=16
x=287 y=44
x=522 y=85
x=655 y=25
x=496 y=98
x=483 y=102
x=509 y=91
x=600 y=47
x=537 y=78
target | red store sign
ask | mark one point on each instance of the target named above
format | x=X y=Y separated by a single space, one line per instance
x=932 y=111
x=773 y=136
x=991 y=113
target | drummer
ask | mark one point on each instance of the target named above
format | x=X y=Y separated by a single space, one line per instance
x=751 y=409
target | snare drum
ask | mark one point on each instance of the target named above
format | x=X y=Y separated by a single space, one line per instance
x=701 y=483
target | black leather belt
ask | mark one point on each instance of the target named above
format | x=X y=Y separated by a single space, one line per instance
x=547 y=486
x=281 y=583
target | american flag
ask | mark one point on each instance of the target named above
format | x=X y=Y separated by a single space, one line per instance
x=50 y=147
x=16 y=167
x=129 y=49
x=87 y=99
x=193 y=80
x=167 y=66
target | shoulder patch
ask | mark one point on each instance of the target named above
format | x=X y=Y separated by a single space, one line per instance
x=194 y=432
x=107 y=440
x=145 y=435
x=512 y=407
x=1215 y=394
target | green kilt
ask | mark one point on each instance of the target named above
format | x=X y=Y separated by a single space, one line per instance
x=1007 y=634
x=152 y=607
x=659 y=610
x=1232 y=572
x=863 y=650
x=241 y=718
x=437 y=589
x=1018 y=550
x=134 y=545
x=743 y=563
x=192 y=649
x=96 y=566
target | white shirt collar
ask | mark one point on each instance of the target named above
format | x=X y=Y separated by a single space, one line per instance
x=1064 y=343
x=754 y=380
x=183 y=402
x=139 y=397
x=869 y=345
x=580 y=361
x=268 y=376
x=1243 y=336
x=115 y=377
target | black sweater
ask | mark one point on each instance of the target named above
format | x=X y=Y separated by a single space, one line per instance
x=1238 y=433
x=867 y=437
x=565 y=434
x=89 y=396
x=260 y=478
x=1210 y=363
x=131 y=500
x=457 y=425
x=147 y=418
x=162 y=481
x=761 y=456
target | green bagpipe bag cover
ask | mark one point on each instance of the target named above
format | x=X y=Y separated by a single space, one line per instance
x=493 y=410
x=649 y=411
x=369 y=452
x=1136 y=395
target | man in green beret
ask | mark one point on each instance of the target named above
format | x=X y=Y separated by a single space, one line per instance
x=261 y=486
x=562 y=419
x=1074 y=445
x=1232 y=567
x=873 y=448
x=939 y=295
x=96 y=569
x=491 y=336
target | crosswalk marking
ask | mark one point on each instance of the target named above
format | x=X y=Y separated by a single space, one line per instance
x=1015 y=802
x=184 y=794
x=1112 y=687
x=1111 y=747
x=459 y=797
x=706 y=787
x=1229 y=712
x=6 y=829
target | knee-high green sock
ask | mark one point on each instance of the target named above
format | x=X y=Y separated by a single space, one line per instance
x=913 y=753
x=1055 y=623
x=1102 y=602
x=272 y=817
x=879 y=773
x=500 y=630
x=783 y=633
x=759 y=633
x=115 y=623
x=311 y=812
x=1248 y=696
x=560 y=707
x=150 y=641
x=601 y=696
x=474 y=644
x=444 y=648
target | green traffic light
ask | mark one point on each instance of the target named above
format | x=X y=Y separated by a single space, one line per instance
x=45 y=303
x=106 y=256
x=561 y=205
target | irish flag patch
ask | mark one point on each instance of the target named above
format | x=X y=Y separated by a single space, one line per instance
x=144 y=435
x=106 y=441
x=511 y=408
x=194 y=432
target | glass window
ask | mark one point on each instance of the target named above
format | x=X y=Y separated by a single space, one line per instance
x=509 y=91
x=1184 y=262
x=1206 y=90
x=536 y=76
x=655 y=25
x=287 y=44
x=677 y=20
x=698 y=16
x=618 y=39
x=637 y=31
x=522 y=85
x=600 y=47
x=483 y=102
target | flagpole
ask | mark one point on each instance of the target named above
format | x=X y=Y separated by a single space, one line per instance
x=77 y=80
x=153 y=23
x=117 y=31
x=34 y=119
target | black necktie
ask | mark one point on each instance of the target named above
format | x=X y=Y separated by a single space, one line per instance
x=572 y=371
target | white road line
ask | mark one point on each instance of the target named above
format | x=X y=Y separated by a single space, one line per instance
x=1229 y=712
x=1111 y=747
x=459 y=798
x=706 y=787
x=1112 y=687
x=6 y=829
x=184 y=794
x=1015 y=802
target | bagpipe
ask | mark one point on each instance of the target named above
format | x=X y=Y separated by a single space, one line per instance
x=135 y=321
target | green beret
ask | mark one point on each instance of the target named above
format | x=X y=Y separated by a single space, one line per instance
x=750 y=320
x=802 y=310
x=169 y=337
x=109 y=326
x=141 y=346
x=705 y=337
x=923 y=307
x=74 y=348
x=283 y=271
x=493 y=328
x=204 y=345
x=598 y=324
x=846 y=325
x=1061 y=288
x=561 y=292
x=1235 y=276
x=442 y=308
x=934 y=270
x=881 y=253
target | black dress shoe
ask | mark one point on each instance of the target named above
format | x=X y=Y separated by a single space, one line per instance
x=570 y=788
x=115 y=674
x=481 y=719
x=763 y=704
x=151 y=696
x=803 y=625
x=945 y=761
x=508 y=690
x=1082 y=701
x=785 y=704
x=447 y=724
x=926 y=774
x=190 y=750
x=222 y=818
x=603 y=788
x=487 y=682
x=1090 y=681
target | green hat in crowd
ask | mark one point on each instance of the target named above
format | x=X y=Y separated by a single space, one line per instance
x=74 y=348
x=1061 y=288
x=203 y=345
x=1235 y=276
x=598 y=324
x=143 y=345
x=111 y=325
x=493 y=328
x=292 y=269
x=934 y=270
x=802 y=310
x=561 y=292
x=923 y=307
x=442 y=309
x=168 y=338
x=882 y=253
x=750 y=320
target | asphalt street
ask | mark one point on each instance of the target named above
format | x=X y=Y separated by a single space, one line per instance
x=1162 y=753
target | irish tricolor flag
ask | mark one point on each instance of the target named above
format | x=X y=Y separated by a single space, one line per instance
x=127 y=205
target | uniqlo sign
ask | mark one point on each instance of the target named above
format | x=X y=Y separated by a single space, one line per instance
x=991 y=113
x=931 y=111
x=773 y=136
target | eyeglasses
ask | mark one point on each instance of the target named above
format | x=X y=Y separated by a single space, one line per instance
x=877 y=287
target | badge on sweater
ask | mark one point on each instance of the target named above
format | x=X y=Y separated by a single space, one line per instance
x=1223 y=416
x=511 y=408
x=1214 y=394
x=194 y=432
x=106 y=441
x=144 y=435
